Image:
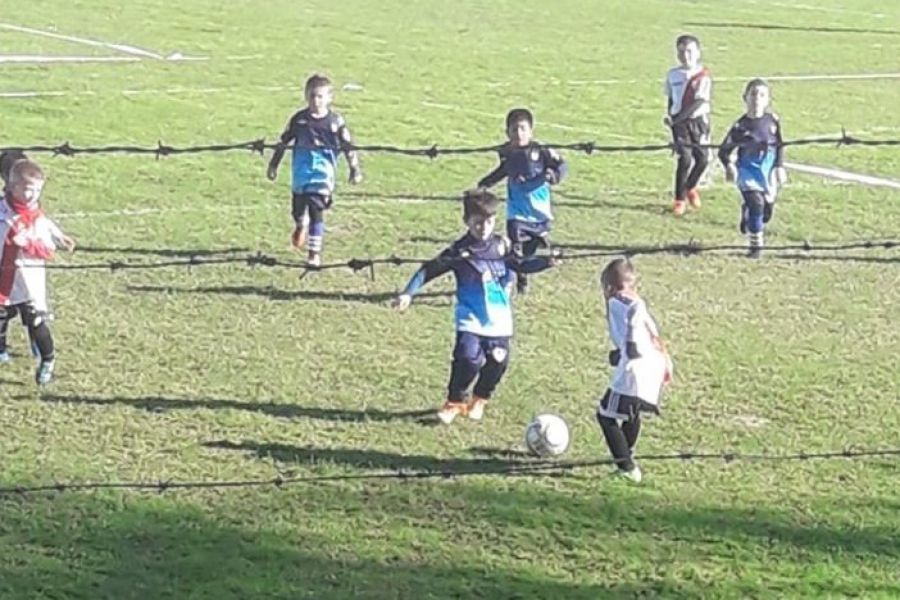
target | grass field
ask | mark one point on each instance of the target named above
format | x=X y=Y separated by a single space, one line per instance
x=226 y=372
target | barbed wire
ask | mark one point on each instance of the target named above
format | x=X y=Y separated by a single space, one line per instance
x=259 y=146
x=487 y=467
x=562 y=252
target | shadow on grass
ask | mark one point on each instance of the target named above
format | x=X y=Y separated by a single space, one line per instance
x=426 y=298
x=365 y=459
x=162 y=404
x=807 y=29
x=84 y=547
x=392 y=540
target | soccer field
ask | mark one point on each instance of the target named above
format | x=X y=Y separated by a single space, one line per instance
x=226 y=372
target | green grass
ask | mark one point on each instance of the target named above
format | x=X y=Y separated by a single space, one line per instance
x=233 y=373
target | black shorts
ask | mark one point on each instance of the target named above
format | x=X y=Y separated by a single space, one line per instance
x=692 y=131
x=619 y=406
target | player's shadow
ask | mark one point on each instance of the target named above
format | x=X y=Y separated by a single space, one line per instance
x=163 y=252
x=278 y=295
x=808 y=29
x=160 y=404
x=372 y=459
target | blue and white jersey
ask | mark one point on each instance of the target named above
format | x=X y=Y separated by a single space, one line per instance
x=317 y=146
x=529 y=172
x=484 y=271
x=759 y=152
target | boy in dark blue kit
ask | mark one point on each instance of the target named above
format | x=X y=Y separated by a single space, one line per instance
x=318 y=135
x=485 y=269
x=758 y=171
x=529 y=170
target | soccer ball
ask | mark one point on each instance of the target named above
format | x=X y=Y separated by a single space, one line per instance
x=547 y=435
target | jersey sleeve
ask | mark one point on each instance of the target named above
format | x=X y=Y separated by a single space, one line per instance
x=729 y=144
x=555 y=163
x=495 y=176
x=288 y=134
x=779 y=149
x=429 y=270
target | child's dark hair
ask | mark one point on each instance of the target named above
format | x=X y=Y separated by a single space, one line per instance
x=7 y=160
x=755 y=83
x=480 y=203
x=316 y=81
x=517 y=115
x=685 y=39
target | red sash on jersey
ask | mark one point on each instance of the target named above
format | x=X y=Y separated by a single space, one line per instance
x=690 y=87
x=27 y=216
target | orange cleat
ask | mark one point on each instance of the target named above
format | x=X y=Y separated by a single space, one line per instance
x=678 y=207
x=450 y=410
x=475 y=410
x=693 y=197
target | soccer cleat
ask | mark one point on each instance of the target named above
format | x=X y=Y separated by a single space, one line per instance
x=693 y=197
x=475 y=409
x=678 y=207
x=754 y=252
x=314 y=259
x=44 y=373
x=298 y=237
x=633 y=475
x=5 y=358
x=450 y=410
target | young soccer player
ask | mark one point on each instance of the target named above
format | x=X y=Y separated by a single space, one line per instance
x=318 y=135
x=758 y=171
x=643 y=366
x=688 y=91
x=485 y=268
x=29 y=240
x=529 y=170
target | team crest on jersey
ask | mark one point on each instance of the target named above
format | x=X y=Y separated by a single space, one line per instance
x=334 y=127
x=773 y=129
x=534 y=155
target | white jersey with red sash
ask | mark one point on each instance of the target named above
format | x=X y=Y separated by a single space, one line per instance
x=28 y=240
x=683 y=86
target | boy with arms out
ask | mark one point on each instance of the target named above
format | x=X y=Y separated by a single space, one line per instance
x=318 y=134
x=529 y=170
x=485 y=269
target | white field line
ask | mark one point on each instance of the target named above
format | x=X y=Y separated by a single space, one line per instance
x=794 y=77
x=150 y=92
x=127 y=49
x=45 y=59
x=812 y=8
x=540 y=123
x=279 y=88
x=844 y=175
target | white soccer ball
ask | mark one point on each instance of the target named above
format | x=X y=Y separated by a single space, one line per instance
x=547 y=435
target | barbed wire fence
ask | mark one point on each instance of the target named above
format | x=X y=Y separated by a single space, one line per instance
x=561 y=252
x=260 y=145
x=484 y=467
